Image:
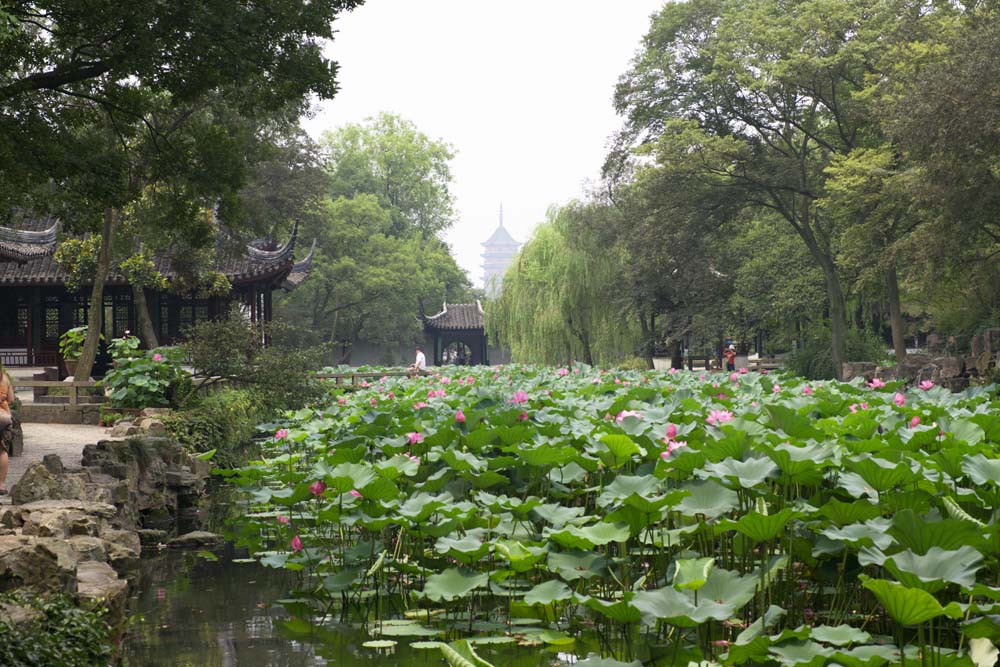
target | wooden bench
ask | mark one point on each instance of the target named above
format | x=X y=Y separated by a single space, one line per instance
x=73 y=386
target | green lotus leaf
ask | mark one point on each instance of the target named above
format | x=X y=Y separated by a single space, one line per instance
x=548 y=592
x=841 y=514
x=967 y=431
x=468 y=549
x=981 y=470
x=870 y=655
x=752 y=643
x=882 y=475
x=764 y=527
x=461 y=654
x=747 y=473
x=870 y=533
x=520 y=557
x=915 y=532
x=935 y=569
x=463 y=461
x=573 y=565
x=453 y=584
x=594 y=660
x=622 y=611
x=479 y=438
x=547 y=456
x=908 y=606
x=571 y=473
x=801 y=654
x=420 y=506
x=618 y=450
x=841 y=635
x=983 y=626
x=379 y=643
x=397 y=466
x=404 y=628
x=801 y=465
x=792 y=423
x=624 y=486
x=343 y=580
x=347 y=476
x=557 y=515
x=598 y=534
x=708 y=498
x=692 y=573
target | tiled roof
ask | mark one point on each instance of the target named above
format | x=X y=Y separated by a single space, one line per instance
x=250 y=264
x=456 y=316
x=300 y=270
x=21 y=245
x=501 y=237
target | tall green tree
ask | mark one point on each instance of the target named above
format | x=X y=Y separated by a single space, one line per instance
x=86 y=91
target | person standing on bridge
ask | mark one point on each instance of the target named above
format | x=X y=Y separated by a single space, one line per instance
x=6 y=425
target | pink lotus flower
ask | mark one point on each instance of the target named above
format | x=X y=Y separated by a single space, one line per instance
x=671 y=448
x=419 y=404
x=618 y=381
x=373 y=401
x=460 y=417
x=392 y=395
x=283 y=519
x=446 y=380
x=520 y=397
x=765 y=372
x=722 y=643
x=523 y=416
x=364 y=384
x=415 y=437
x=355 y=493
x=807 y=390
x=342 y=400
x=899 y=399
x=627 y=413
x=673 y=371
x=415 y=459
x=595 y=381
x=576 y=370
x=470 y=380
x=281 y=434
x=853 y=407
x=157 y=357
x=776 y=389
x=876 y=383
x=460 y=381
x=671 y=431
x=317 y=488
x=562 y=372
x=701 y=378
x=716 y=417
x=734 y=377
x=915 y=422
x=743 y=371
x=296 y=544
x=926 y=385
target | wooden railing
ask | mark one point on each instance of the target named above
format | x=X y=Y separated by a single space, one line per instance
x=766 y=364
x=72 y=386
x=342 y=378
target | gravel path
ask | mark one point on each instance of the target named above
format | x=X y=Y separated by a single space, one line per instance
x=66 y=440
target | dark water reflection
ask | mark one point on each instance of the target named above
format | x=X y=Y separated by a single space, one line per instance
x=192 y=612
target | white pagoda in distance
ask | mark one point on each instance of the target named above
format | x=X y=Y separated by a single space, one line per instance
x=498 y=252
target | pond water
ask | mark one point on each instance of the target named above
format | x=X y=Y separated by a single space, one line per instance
x=190 y=611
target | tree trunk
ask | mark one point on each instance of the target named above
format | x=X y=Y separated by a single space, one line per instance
x=95 y=315
x=895 y=312
x=647 y=340
x=147 y=332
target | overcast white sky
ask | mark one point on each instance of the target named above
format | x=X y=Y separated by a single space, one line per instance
x=521 y=89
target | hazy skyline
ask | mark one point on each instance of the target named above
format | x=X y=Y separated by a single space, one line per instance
x=522 y=94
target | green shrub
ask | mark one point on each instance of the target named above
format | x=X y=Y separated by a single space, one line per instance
x=815 y=359
x=150 y=380
x=634 y=364
x=280 y=373
x=225 y=421
x=63 y=635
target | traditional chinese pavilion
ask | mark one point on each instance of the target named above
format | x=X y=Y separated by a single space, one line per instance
x=36 y=306
x=458 y=335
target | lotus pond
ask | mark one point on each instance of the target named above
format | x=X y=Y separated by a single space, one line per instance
x=639 y=518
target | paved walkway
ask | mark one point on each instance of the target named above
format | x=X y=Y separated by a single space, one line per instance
x=66 y=440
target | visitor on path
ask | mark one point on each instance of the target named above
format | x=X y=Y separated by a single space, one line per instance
x=419 y=364
x=730 y=355
x=6 y=426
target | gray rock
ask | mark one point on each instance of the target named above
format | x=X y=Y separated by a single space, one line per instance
x=42 y=564
x=194 y=539
x=98 y=584
x=88 y=548
x=16 y=616
x=124 y=429
x=152 y=536
x=39 y=483
x=153 y=427
x=53 y=464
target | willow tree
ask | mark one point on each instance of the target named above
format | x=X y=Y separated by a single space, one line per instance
x=560 y=300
